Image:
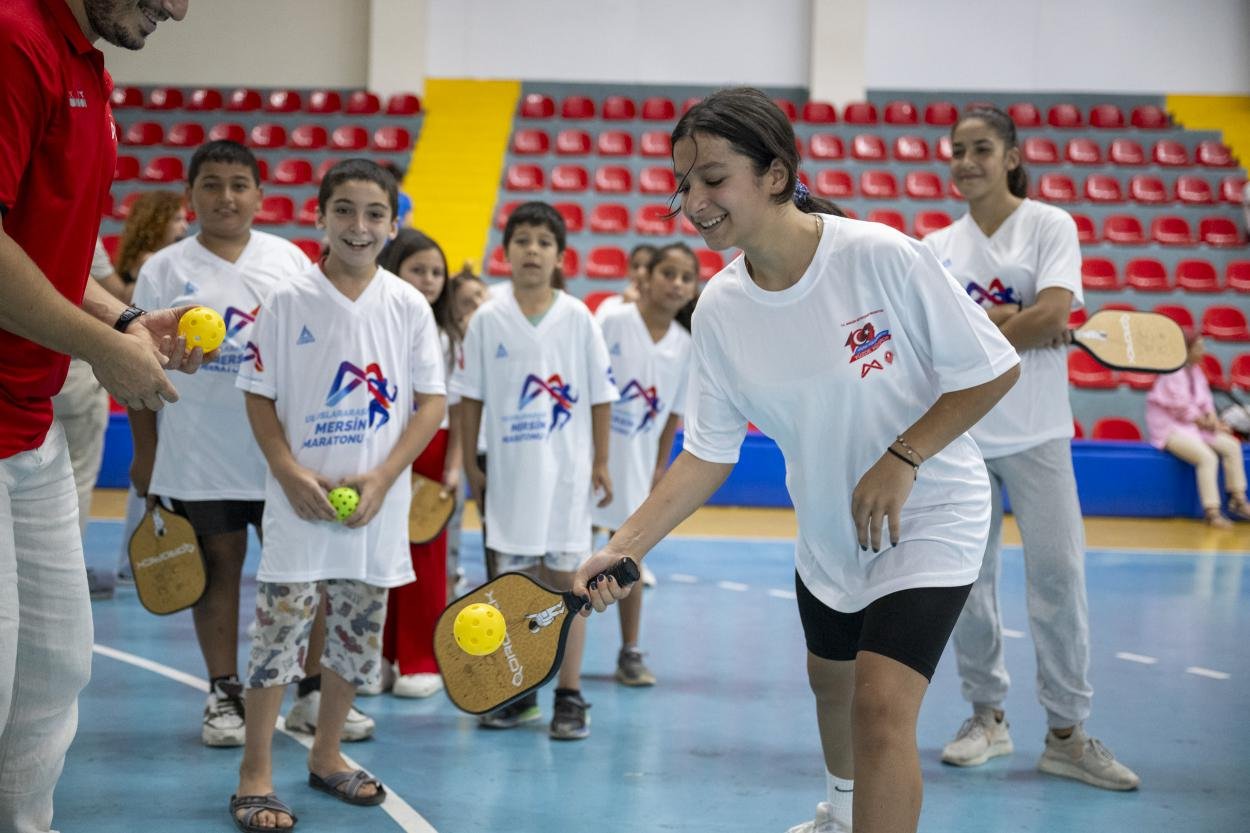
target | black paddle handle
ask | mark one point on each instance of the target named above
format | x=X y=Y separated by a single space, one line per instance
x=625 y=573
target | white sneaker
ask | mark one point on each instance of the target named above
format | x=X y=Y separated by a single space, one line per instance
x=1083 y=758
x=417 y=685
x=303 y=718
x=223 y=716
x=823 y=823
x=384 y=683
x=648 y=577
x=979 y=739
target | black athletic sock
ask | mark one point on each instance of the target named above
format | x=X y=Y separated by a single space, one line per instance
x=568 y=692
x=309 y=684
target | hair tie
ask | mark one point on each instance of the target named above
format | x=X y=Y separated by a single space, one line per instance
x=800 y=192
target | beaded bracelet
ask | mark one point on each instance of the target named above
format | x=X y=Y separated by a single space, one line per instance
x=915 y=467
x=907 y=447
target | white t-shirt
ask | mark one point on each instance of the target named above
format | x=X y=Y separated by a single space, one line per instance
x=537 y=385
x=101 y=266
x=1034 y=249
x=651 y=377
x=205 y=449
x=833 y=369
x=608 y=306
x=342 y=375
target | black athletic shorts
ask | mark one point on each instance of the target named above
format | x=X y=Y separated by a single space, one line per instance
x=218 y=517
x=911 y=626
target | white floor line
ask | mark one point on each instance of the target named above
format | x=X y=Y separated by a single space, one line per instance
x=409 y=820
x=1138 y=658
x=735 y=586
x=1199 y=671
x=682 y=578
x=1013 y=634
x=782 y=594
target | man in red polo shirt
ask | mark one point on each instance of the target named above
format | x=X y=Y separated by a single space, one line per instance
x=57 y=150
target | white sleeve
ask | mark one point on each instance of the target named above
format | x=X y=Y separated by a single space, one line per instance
x=602 y=384
x=952 y=334
x=255 y=376
x=1059 y=257
x=683 y=379
x=714 y=426
x=468 y=383
x=427 y=354
x=101 y=266
x=457 y=370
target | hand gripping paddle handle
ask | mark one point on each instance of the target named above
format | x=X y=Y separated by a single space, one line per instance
x=625 y=573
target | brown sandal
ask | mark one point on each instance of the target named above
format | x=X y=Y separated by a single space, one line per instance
x=1215 y=518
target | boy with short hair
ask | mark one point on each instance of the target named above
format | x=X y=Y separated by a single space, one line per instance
x=341 y=355
x=536 y=365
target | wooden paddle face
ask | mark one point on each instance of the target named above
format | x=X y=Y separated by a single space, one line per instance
x=429 y=511
x=166 y=562
x=1142 y=341
x=537 y=620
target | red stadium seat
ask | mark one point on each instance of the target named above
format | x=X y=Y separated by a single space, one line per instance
x=1099 y=274
x=164 y=98
x=309 y=246
x=530 y=142
x=1170 y=154
x=349 y=137
x=243 y=100
x=619 y=108
x=572 y=143
x=186 y=134
x=275 y=211
x=940 y=113
x=1171 y=230
x=392 y=139
x=308 y=212
x=1149 y=117
x=1078 y=432
x=1116 y=428
x=1147 y=190
x=228 y=132
x=163 y=169
x=122 y=211
x=594 y=299
x=523 y=178
x=1197 y=276
x=1147 y=275
x=911 y=149
x=819 y=112
x=943 y=152
x=1138 y=380
x=1118 y=305
x=878 y=185
x=1213 y=154
x=1065 y=116
x=1214 y=371
x=504 y=211
x=283 y=101
x=324 y=102
x=308 y=137
x=655 y=144
x=1181 y=315
x=124 y=98
x=293 y=172
x=927 y=222
x=888 y=217
x=657 y=180
x=826 y=146
x=574 y=220
x=615 y=143
x=1084 y=372
x=1237 y=276
x=1056 y=188
x=362 y=103
x=607 y=262
x=901 y=112
x=710 y=263
x=1086 y=232
x=1106 y=117
x=1038 y=150
x=1232 y=189
x=1025 y=115
x=1123 y=230
x=860 y=112
x=654 y=219
x=1076 y=318
x=267 y=136
x=537 y=106
x=570 y=264
x=1219 y=231
x=143 y=134
x=1126 y=152
x=922 y=185
x=658 y=108
x=497 y=266
x=569 y=179
x=1239 y=371
x=403 y=104
x=1224 y=323
x=834 y=183
x=868 y=147
x=1082 y=151
x=577 y=107
x=1102 y=188
x=609 y=218
x=205 y=100
x=614 y=179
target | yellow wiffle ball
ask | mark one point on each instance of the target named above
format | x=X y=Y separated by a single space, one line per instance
x=202 y=327
x=479 y=629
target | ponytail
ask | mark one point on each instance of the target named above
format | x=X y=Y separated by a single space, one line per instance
x=1005 y=128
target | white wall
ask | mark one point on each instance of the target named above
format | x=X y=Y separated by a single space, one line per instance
x=640 y=41
x=1145 y=46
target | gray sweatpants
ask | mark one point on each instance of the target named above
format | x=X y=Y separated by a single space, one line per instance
x=1042 y=487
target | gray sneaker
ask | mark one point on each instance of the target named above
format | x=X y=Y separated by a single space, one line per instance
x=223 y=716
x=979 y=739
x=631 y=670
x=303 y=718
x=570 y=721
x=1083 y=758
x=513 y=715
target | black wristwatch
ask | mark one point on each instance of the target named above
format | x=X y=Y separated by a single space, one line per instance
x=131 y=313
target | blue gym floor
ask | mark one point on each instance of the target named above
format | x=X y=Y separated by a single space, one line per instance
x=727 y=740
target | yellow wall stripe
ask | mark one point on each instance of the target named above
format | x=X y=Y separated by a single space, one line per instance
x=1227 y=113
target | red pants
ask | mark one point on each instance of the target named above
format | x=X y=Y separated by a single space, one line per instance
x=412 y=610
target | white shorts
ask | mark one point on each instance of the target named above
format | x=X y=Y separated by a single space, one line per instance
x=561 y=562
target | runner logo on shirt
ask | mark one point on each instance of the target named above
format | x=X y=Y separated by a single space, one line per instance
x=251 y=351
x=237 y=319
x=996 y=295
x=350 y=426
x=623 y=422
x=522 y=426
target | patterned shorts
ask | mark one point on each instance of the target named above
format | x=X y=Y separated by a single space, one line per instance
x=355 y=612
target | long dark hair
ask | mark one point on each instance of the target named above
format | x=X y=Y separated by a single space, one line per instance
x=1005 y=129
x=756 y=128
x=407 y=243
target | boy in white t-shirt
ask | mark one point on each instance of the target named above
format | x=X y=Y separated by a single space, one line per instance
x=650 y=353
x=536 y=365
x=342 y=355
